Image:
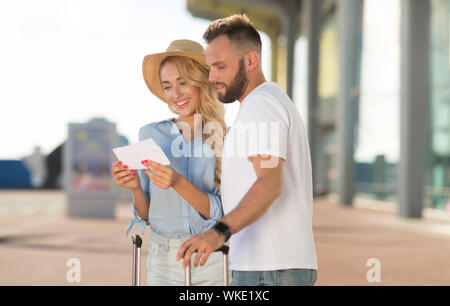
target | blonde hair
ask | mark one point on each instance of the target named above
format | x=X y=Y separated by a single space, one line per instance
x=209 y=107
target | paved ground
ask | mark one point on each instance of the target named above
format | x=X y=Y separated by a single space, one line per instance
x=37 y=241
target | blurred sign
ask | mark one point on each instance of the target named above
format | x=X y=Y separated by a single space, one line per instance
x=90 y=161
x=87 y=164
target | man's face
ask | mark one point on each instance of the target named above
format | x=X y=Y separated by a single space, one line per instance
x=227 y=70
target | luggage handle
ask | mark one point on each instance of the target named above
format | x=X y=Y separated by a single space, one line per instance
x=224 y=249
x=137 y=243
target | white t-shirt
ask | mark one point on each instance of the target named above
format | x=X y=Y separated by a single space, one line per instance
x=269 y=123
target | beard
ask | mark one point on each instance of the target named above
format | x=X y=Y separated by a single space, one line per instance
x=237 y=87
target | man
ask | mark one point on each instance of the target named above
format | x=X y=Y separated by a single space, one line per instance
x=266 y=173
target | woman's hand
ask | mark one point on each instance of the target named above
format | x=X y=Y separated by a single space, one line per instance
x=124 y=177
x=161 y=175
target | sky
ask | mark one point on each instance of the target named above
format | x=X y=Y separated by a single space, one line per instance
x=68 y=61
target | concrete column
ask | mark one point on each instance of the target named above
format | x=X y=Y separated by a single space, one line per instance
x=293 y=11
x=349 y=23
x=274 y=58
x=312 y=14
x=414 y=102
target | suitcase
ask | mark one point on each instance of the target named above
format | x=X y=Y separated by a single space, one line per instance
x=224 y=249
x=137 y=244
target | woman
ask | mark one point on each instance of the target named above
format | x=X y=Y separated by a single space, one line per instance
x=182 y=199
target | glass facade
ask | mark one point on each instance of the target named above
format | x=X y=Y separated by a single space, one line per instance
x=377 y=153
x=438 y=188
x=378 y=145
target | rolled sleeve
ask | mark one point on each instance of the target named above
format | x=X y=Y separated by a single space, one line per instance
x=141 y=224
x=215 y=207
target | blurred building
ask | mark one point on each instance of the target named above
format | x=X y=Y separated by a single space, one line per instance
x=377 y=94
x=37 y=167
x=40 y=171
x=14 y=175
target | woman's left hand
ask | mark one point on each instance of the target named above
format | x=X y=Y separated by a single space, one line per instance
x=162 y=176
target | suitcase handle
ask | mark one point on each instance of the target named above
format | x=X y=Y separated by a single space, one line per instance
x=224 y=249
x=137 y=240
x=137 y=243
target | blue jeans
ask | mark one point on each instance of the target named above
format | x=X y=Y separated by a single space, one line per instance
x=290 y=277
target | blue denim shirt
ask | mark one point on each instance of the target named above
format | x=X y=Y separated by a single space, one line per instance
x=170 y=215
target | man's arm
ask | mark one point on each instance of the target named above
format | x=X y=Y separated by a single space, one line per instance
x=266 y=188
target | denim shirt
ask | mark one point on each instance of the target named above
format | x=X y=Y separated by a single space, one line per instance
x=170 y=215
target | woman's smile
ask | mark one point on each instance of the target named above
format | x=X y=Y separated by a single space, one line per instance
x=182 y=103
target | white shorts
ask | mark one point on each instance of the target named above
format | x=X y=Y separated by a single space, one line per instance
x=165 y=270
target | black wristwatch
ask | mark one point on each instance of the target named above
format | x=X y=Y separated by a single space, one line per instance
x=223 y=229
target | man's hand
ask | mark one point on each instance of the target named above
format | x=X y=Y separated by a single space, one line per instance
x=204 y=244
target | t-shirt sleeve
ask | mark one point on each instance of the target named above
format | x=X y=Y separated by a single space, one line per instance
x=265 y=127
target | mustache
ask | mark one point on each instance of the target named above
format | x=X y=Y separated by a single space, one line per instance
x=219 y=83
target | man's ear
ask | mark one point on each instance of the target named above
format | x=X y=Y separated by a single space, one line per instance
x=252 y=60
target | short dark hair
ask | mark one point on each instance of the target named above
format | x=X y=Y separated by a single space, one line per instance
x=238 y=29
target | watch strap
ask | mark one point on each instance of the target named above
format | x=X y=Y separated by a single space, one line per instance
x=223 y=229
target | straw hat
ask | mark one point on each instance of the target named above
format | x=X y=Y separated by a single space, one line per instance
x=152 y=62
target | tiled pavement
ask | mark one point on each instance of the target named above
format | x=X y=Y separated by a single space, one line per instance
x=37 y=240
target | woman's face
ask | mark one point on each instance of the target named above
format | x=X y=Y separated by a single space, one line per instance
x=183 y=97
